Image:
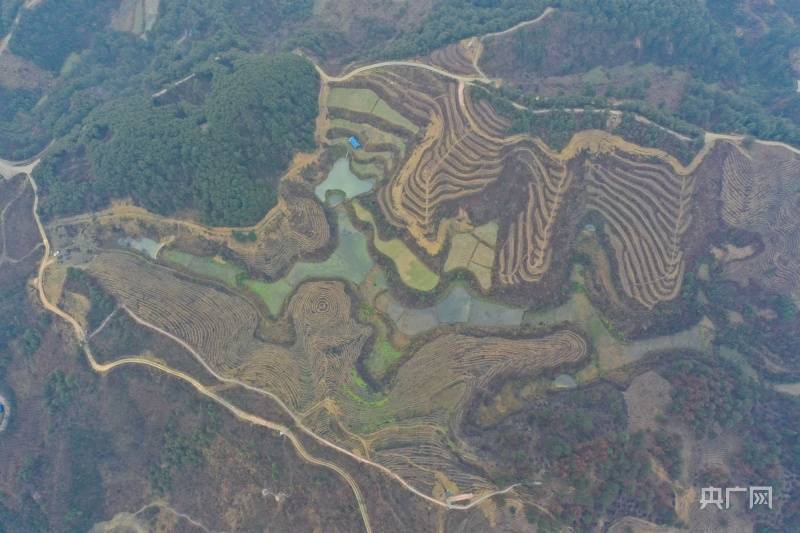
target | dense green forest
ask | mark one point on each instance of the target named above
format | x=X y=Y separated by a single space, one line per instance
x=554 y=121
x=743 y=84
x=557 y=127
x=216 y=160
x=73 y=21
x=8 y=10
x=452 y=20
x=13 y=101
x=101 y=304
x=221 y=157
x=678 y=32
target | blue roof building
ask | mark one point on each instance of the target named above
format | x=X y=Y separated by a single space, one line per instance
x=2 y=407
x=354 y=142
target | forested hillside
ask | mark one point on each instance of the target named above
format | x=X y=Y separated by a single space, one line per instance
x=221 y=157
x=74 y=22
x=724 y=66
x=686 y=64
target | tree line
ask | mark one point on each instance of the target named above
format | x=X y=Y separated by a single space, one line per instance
x=221 y=157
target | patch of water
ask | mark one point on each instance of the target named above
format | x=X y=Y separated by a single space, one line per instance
x=350 y=261
x=564 y=381
x=486 y=313
x=4 y=413
x=143 y=245
x=342 y=179
x=455 y=308
x=458 y=307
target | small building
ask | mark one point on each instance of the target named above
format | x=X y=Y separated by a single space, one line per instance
x=354 y=142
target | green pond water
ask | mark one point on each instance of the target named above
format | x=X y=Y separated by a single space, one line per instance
x=350 y=261
x=204 y=266
x=579 y=310
x=342 y=179
x=143 y=245
x=458 y=307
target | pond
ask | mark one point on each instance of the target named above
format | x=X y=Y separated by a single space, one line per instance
x=4 y=412
x=350 y=261
x=610 y=345
x=458 y=307
x=144 y=245
x=342 y=180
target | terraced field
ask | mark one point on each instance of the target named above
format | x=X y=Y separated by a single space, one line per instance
x=474 y=220
x=457 y=157
x=316 y=375
x=459 y=57
x=297 y=226
x=760 y=194
x=474 y=251
x=527 y=251
x=647 y=209
x=411 y=270
x=644 y=196
x=367 y=102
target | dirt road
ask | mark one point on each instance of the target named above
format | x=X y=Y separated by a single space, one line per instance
x=284 y=431
x=9 y=169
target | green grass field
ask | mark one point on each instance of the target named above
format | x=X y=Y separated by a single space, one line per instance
x=350 y=261
x=412 y=271
x=383 y=356
x=366 y=101
x=207 y=267
x=369 y=134
x=272 y=294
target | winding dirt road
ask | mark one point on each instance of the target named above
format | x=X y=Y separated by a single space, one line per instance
x=285 y=431
x=80 y=333
x=8 y=169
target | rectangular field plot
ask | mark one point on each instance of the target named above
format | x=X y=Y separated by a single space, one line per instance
x=474 y=251
x=366 y=101
x=368 y=134
x=204 y=266
x=412 y=271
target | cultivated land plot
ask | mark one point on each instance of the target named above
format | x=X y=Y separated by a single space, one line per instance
x=506 y=207
x=319 y=367
x=457 y=307
x=646 y=198
x=369 y=136
x=475 y=252
x=207 y=267
x=350 y=261
x=412 y=271
x=760 y=193
x=366 y=101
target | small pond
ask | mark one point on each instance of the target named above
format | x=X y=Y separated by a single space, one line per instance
x=143 y=245
x=342 y=180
